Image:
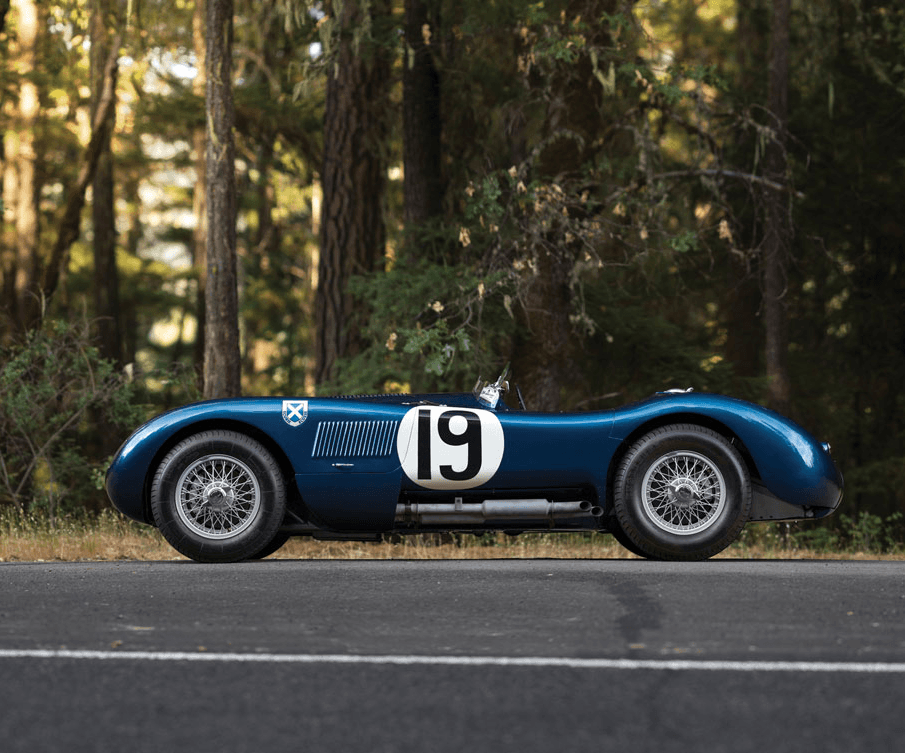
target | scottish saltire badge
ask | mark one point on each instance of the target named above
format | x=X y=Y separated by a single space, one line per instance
x=295 y=412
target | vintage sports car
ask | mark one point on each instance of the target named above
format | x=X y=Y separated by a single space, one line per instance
x=674 y=477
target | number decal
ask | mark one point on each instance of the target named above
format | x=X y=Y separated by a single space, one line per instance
x=450 y=448
x=424 y=445
x=470 y=438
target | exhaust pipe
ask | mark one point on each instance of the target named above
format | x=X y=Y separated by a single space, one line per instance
x=476 y=513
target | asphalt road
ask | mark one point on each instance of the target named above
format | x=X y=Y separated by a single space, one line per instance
x=541 y=655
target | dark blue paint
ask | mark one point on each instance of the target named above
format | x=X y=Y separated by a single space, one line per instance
x=542 y=451
x=790 y=462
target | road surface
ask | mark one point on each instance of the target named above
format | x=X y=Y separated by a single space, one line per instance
x=513 y=655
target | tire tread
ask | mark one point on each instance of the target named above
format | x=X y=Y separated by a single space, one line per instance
x=623 y=509
x=228 y=550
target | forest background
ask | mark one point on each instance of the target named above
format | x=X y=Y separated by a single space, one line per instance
x=614 y=197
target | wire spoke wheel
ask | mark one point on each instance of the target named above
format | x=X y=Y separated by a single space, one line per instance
x=683 y=493
x=217 y=497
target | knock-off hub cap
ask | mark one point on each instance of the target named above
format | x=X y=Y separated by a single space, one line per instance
x=683 y=492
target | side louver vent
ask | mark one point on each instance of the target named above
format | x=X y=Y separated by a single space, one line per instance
x=354 y=439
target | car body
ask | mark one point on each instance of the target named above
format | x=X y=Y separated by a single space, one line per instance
x=675 y=476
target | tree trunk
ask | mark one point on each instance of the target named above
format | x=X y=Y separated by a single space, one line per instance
x=222 y=364
x=29 y=283
x=743 y=296
x=106 y=276
x=353 y=233
x=421 y=116
x=128 y=305
x=544 y=348
x=8 y=237
x=541 y=354
x=199 y=197
x=777 y=220
x=25 y=270
x=69 y=225
x=8 y=325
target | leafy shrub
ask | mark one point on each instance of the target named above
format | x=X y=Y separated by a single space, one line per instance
x=429 y=327
x=56 y=395
x=864 y=533
x=867 y=532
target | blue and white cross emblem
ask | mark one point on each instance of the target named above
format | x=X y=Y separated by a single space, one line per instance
x=295 y=412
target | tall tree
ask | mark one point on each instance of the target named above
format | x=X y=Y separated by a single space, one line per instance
x=222 y=364
x=575 y=114
x=199 y=195
x=354 y=175
x=106 y=275
x=30 y=278
x=777 y=220
x=743 y=295
x=421 y=121
x=21 y=186
x=69 y=223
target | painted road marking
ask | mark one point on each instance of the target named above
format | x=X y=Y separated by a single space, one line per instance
x=463 y=661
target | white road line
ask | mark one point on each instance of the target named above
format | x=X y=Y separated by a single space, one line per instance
x=464 y=661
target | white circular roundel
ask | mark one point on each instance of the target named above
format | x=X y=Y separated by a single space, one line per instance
x=449 y=448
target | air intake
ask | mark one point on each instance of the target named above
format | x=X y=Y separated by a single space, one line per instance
x=354 y=439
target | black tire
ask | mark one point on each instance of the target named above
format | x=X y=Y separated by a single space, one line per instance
x=275 y=545
x=623 y=540
x=218 y=496
x=682 y=492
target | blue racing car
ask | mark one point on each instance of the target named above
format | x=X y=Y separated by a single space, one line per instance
x=673 y=477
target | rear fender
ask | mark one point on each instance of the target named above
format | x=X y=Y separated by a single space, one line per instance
x=791 y=465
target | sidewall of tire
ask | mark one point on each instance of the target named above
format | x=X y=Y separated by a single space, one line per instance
x=247 y=543
x=628 y=501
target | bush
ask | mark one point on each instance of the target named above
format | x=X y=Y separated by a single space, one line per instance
x=871 y=533
x=863 y=533
x=57 y=395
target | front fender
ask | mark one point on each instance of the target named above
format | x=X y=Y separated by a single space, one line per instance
x=129 y=473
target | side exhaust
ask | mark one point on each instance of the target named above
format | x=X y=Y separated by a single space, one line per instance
x=477 y=513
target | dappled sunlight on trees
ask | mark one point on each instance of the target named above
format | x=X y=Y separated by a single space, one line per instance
x=615 y=197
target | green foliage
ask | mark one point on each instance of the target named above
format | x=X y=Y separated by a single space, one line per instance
x=878 y=36
x=881 y=482
x=867 y=532
x=820 y=539
x=611 y=152
x=864 y=533
x=54 y=389
x=432 y=327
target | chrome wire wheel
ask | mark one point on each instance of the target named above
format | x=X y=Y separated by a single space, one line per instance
x=683 y=493
x=218 y=497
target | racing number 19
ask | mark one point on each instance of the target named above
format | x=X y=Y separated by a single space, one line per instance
x=450 y=448
x=469 y=436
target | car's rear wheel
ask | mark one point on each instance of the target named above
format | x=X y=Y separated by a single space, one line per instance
x=624 y=541
x=682 y=492
x=218 y=496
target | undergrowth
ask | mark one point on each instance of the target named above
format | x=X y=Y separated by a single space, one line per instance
x=108 y=536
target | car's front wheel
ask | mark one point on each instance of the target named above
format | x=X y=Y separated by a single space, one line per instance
x=682 y=492
x=218 y=496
